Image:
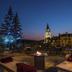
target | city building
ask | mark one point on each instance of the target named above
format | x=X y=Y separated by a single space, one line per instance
x=62 y=41
x=48 y=34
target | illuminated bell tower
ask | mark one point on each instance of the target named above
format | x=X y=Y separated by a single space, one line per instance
x=48 y=34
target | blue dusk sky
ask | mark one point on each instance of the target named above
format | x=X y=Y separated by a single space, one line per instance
x=35 y=14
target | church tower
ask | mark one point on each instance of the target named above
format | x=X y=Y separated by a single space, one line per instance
x=48 y=34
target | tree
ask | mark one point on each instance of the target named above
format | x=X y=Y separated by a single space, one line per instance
x=7 y=24
x=10 y=29
x=16 y=31
x=16 y=28
x=6 y=28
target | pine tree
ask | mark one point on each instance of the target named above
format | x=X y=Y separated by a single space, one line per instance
x=6 y=29
x=11 y=29
x=7 y=24
x=16 y=28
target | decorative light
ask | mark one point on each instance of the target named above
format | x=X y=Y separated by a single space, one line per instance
x=8 y=39
x=18 y=38
x=38 y=53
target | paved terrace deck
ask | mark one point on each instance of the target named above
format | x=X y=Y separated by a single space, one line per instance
x=67 y=66
x=11 y=66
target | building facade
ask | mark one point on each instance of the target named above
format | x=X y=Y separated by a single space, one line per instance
x=62 y=41
x=47 y=35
